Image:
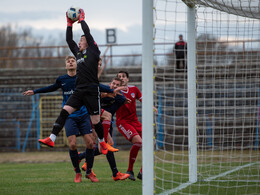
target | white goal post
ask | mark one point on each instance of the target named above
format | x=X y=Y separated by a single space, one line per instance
x=147 y=97
x=206 y=132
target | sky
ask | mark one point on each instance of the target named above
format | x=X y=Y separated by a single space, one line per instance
x=48 y=17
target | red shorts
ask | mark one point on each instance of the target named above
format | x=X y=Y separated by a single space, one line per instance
x=129 y=129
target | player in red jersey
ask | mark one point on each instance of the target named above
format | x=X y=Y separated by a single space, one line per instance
x=128 y=123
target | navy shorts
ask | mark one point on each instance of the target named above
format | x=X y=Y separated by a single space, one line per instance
x=80 y=125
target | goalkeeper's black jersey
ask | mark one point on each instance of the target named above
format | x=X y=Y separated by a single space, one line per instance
x=87 y=60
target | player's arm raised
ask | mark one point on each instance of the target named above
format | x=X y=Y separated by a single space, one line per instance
x=91 y=43
x=69 y=37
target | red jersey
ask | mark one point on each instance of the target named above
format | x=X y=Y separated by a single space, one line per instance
x=128 y=111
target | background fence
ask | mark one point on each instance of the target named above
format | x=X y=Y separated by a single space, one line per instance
x=24 y=119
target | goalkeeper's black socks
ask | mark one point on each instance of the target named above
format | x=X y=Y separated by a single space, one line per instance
x=60 y=122
x=99 y=130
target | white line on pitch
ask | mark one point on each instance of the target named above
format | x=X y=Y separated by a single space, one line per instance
x=247 y=181
x=184 y=185
x=180 y=187
x=228 y=172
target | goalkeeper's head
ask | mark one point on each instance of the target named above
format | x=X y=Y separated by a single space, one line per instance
x=83 y=44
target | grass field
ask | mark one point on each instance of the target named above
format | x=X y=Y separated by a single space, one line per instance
x=52 y=173
x=171 y=177
x=219 y=172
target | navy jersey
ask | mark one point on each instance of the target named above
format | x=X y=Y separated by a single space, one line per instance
x=113 y=104
x=105 y=88
x=87 y=60
x=67 y=84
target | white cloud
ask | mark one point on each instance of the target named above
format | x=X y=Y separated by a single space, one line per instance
x=48 y=16
x=100 y=14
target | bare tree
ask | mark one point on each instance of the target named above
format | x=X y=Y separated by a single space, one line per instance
x=14 y=51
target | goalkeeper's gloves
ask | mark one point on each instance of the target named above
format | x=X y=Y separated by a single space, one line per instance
x=69 y=21
x=81 y=15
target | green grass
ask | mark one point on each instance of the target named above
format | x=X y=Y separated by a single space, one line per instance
x=58 y=178
x=52 y=173
x=242 y=181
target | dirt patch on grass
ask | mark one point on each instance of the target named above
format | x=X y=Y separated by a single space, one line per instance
x=55 y=156
x=34 y=157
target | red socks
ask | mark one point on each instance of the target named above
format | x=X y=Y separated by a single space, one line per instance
x=106 y=127
x=133 y=154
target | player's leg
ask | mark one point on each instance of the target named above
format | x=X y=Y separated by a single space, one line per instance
x=71 y=105
x=110 y=141
x=97 y=149
x=130 y=133
x=92 y=102
x=110 y=144
x=106 y=121
x=86 y=130
x=138 y=127
x=71 y=129
x=112 y=163
x=74 y=157
x=95 y=119
x=137 y=145
x=140 y=174
x=89 y=158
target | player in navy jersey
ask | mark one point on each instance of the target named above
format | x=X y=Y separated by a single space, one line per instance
x=87 y=85
x=111 y=104
x=78 y=122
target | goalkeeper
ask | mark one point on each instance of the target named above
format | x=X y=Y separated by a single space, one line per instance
x=87 y=84
x=77 y=123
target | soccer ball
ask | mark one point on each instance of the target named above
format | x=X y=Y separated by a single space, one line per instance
x=73 y=13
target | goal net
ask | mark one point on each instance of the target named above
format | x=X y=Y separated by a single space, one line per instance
x=227 y=69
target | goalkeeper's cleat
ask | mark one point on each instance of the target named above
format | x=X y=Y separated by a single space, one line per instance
x=92 y=177
x=140 y=176
x=131 y=175
x=103 y=147
x=47 y=141
x=84 y=168
x=121 y=176
x=77 y=178
x=111 y=148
